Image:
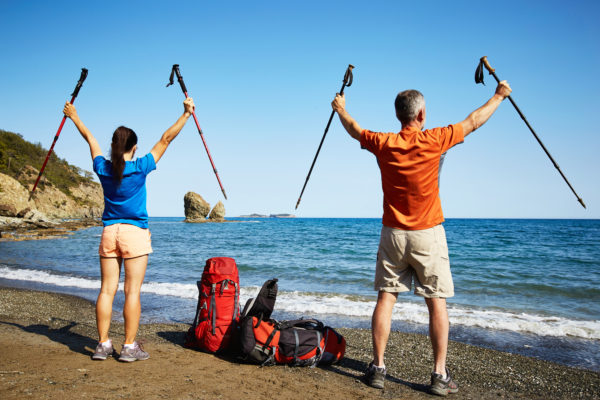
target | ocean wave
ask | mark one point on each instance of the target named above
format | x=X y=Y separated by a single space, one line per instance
x=310 y=304
x=32 y=275
x=315 y=304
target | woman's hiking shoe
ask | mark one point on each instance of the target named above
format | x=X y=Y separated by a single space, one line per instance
x=441 y=386
x=133 y=354
x=103 y=352
x=375 y=376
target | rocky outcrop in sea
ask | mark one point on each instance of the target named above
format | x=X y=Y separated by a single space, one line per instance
x=218 y=213
x=197 y=209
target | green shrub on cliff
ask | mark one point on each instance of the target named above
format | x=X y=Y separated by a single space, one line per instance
x=16 y=153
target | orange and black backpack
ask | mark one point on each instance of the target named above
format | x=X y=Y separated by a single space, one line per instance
x=218 y=310
x=303 y=342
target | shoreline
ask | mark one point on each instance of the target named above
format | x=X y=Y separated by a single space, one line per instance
x=61 y=329
x=19 y=229
x=159 y=307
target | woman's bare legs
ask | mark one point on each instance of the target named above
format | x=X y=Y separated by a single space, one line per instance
x=135 y=270
x=110 y=268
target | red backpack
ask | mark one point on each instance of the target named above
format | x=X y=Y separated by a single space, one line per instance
x=218 y=308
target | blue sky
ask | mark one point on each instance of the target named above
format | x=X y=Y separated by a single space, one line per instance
x=263 y=74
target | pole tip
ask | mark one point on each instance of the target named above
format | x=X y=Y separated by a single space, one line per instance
x=582 y=203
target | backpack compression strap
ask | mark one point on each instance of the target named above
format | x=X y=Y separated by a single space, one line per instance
x=296 y=346
x=224 y=285
x=198 y=307
x=213 y=306
x=236 y=310
x=270 y=339
x=319 y=349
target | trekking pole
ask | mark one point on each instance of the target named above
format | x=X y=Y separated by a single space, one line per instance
x=479 y=79
x=346 y=82
x=82 y=77
x=175 y=71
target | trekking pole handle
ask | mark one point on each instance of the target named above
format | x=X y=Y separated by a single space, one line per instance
x=175 y=71
x=487 y=65
x=84 y=73
x=348 y=75
x=180 y=78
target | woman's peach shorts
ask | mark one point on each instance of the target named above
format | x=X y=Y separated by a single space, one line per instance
x=125 y=241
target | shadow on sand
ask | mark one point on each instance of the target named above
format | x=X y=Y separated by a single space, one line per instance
x=357 y=367
x=74 y=341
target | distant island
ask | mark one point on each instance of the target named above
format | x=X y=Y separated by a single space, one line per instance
x=268 y=216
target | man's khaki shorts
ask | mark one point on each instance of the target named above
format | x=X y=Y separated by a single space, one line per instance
x=421 y=256
x=125 y=241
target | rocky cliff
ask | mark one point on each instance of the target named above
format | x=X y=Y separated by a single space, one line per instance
x=86 y=200
x=64 y=191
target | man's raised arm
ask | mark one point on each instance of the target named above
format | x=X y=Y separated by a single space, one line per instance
x=483 y=113
x=352 y=127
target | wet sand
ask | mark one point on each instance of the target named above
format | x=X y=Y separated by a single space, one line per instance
x=46 y=341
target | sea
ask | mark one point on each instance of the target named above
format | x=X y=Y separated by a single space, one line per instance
x=524 y=286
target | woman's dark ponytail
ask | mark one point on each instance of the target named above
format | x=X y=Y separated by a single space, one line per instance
x=123 y=141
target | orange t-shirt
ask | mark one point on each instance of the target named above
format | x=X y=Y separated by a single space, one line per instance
x=409 y=162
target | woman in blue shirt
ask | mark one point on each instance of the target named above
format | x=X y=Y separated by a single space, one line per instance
x=125 y=237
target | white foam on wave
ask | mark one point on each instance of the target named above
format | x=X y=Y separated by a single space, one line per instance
x=183 y=290
x=353 y=306
x=313 y=304
x=32 y=275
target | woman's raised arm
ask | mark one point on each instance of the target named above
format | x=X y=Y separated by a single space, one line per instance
x=161 y=146
x=71 y=113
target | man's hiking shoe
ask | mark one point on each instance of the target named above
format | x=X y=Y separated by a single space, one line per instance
x=441 y=386
x=375 y=376
x=103 y=352
x=134 y=354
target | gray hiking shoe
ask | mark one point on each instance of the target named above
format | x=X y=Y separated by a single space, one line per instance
x=134 y=354
x=441 y=386
x=375 y=376
x=103 y=352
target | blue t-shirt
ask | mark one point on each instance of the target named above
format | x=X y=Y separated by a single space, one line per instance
x=125 y=203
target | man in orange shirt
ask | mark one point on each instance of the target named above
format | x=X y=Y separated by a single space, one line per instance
x=413 y=241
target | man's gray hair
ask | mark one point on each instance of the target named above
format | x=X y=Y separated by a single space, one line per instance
x=408 y=104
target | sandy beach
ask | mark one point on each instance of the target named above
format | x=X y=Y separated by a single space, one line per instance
x=46 y=341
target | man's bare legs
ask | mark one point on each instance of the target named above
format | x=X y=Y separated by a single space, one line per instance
x=439 y=327
x=381 y=324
